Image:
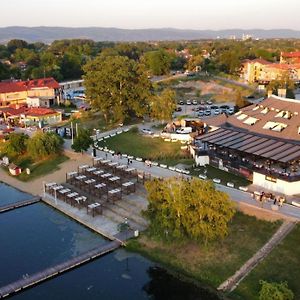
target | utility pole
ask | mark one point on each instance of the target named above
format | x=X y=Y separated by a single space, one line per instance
x=72 y=133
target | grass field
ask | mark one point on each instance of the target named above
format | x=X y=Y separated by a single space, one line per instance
x=225 y=177
x=39 y=168
x=133 y=143
x=281 y=265
x=214 y=263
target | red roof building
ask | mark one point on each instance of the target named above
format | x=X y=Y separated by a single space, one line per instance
x=16 y=92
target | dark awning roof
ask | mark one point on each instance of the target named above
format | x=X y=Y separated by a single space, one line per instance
x=253 y=144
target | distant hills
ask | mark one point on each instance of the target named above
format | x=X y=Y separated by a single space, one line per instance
x=49 y=34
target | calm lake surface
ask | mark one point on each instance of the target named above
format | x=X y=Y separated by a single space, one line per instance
x=35 y=237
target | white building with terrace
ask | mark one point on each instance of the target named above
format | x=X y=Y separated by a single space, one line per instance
x=260 y=142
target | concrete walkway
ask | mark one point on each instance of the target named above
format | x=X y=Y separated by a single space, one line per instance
x=231 y=283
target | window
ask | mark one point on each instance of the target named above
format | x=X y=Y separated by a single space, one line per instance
x=265 y=111
x=242 y=117
x=250 y=121
x=275 y=126
x=284 y=114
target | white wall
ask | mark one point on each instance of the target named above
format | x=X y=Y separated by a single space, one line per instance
x=280 y=186
x=202 y=160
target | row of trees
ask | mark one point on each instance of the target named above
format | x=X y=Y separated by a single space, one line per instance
x=40 y=146
x=64 y=59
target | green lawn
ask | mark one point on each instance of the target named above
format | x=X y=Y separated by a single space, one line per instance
x=283 y=264
x=225 y=177
x=133 y=143
x=39 y=168
x=214 y=263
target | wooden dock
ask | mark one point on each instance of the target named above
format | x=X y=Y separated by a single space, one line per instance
x=36 y=278
x=19 y=204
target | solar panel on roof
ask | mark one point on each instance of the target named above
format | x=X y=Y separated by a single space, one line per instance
x=287 y=152
x=250 y=145
x=261 y=146
x=236 y=139
x=272 y=146
x=222 y=137
x=290 y=157
x=275 y=151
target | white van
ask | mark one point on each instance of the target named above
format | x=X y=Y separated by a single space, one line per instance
x=184 y=130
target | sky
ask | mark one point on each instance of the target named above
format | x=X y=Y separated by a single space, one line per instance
x=134 y=14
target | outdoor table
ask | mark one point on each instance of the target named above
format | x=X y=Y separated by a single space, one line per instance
x=114 y=194
x=130 y=170
x=50 y=184
x=83 y=167
x=93 y=207
x=89 y=181
x=106 y=175
x=98 y=172
x=128 y=187
x=81 y=177
x=56 y=188
x=112 y=164
x=105 y=161
x=121 y=167
x=113 y=179
x=63 y=192
x=71 y=174
x=90 y=170
x=72 y=195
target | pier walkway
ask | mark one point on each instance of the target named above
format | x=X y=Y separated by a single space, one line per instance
x=19 y=204
x=50 y=272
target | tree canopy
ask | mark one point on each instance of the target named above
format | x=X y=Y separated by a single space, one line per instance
x=163 y=105
x=42 y=145
x=83 y=141
x=158 y=62
x=117 y=86
x=16 y=144
x=188 y=208
x=275 y=291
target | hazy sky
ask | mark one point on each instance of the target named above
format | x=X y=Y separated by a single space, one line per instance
x=192 y=14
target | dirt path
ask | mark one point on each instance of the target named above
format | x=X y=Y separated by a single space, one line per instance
x=232 y=282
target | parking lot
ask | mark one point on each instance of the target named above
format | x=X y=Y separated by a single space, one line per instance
x=204 y=109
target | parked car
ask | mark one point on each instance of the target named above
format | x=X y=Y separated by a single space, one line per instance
x=230 y=111
x=209 y=102
x=181 y=102
x=146 y=131
x=178 y=108
x=217 y=111
x=184 y=130
x=207 y=112
x=195 y=102
x=202 y=102
x=214 y=107
x=188 y=102
x=201 y=113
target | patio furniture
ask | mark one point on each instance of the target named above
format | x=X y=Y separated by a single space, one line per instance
x=94 y=208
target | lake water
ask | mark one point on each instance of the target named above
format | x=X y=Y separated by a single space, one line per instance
x=35 y=237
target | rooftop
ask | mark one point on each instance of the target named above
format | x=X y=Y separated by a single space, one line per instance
x=274 y=117
x=20 y=86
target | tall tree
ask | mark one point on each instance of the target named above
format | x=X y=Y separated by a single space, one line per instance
x=117 y=86
x=188 y=208
x=83 y=141
x=16 y=144
x=158 y=62
x=43 y=145
x=163 y=105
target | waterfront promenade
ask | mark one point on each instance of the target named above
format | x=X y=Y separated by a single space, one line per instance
x=243 y=199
